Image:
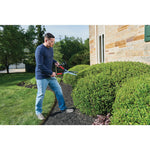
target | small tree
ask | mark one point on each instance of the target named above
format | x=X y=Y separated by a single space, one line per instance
x=40 y=34
x=12 y=43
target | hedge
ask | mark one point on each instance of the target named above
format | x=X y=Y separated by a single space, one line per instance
x=95 y=93
x=132 y=103
x=71 y=79
x=113 y=69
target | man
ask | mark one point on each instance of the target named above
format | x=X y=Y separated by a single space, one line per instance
x=45 y=76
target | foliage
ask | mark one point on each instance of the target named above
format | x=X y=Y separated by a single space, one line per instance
x=12 y=44
x=57 y=54
x=94 y=94
x=70 y=79
x=71 y=46
x=34 y=37
x=2 y=67
x=30 y=45
x=40 y=30
x=96 y=87
x=119 y=70
x=132 y=103
x=82 y=57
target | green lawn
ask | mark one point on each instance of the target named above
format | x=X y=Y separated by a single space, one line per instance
x=17 y=104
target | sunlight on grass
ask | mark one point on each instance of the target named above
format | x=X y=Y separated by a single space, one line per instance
x=17 y=104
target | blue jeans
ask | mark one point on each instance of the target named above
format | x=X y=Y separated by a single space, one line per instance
x=54 y=85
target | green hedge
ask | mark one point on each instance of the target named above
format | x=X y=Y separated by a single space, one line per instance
x=115 y=68
x=71 y=79
x=95 y=93
x=132 y=103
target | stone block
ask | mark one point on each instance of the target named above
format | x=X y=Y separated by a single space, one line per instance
x=120 y=43
x=139 y=37
x=111 y=45
x=122 y=27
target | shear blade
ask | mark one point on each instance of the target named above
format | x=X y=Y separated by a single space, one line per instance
x=70 y=73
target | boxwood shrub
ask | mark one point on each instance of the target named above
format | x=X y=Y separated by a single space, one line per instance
x=71 y=79
x=129 y=69
x=95 y=93
x=132 y=103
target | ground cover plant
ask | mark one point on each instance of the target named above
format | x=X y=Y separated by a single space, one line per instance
x=95 y=91
x=17 y=104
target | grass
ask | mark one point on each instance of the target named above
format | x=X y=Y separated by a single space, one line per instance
x=17 y=104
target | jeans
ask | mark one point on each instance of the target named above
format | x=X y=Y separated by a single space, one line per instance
x=54 y=85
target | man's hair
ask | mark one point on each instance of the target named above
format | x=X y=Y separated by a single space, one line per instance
x=49 y=35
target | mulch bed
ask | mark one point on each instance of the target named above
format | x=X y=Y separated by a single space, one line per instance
x=75 y=118
x=56 y=117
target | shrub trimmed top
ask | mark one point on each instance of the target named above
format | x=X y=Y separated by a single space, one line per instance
x=117 y=69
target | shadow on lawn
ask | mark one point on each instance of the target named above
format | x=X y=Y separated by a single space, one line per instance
x=14 y=78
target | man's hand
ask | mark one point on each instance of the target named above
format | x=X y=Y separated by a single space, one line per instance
x=57 y=64
x=53 y=74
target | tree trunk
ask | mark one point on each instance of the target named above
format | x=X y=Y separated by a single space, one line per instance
x=7 y=69
x=6 y=63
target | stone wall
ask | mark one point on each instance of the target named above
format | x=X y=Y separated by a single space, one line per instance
x=93 y=56
x=122 y=43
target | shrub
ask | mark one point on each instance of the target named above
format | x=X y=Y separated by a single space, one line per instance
x=71 y=79
x=132 y=103
x=95 y=93
x=129 y=69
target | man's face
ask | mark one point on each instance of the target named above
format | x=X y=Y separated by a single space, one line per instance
x=50 y=42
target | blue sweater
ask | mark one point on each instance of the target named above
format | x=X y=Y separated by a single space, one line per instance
x=44 y=61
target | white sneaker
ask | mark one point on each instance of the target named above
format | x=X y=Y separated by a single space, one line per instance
x=40 y=117
x=69 y=110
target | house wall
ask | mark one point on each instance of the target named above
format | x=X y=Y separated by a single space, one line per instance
x=92 y=42
x=122 y=43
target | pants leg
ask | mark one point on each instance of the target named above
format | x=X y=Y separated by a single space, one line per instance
x=54 y=85
x=41 y=86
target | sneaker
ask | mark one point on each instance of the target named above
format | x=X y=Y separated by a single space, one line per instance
x=69 y=110
x=40 y=117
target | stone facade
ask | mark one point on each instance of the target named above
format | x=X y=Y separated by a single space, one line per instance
x=121 y=43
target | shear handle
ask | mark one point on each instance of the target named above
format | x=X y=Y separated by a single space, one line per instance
x=59 y=73
x=62 y=67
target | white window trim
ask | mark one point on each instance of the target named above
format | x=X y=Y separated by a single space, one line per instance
x=98 y=49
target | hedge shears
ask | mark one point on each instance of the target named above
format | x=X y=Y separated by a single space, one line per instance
x=65 y=71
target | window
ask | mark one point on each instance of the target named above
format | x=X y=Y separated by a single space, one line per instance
x=100 y=54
